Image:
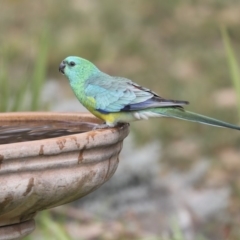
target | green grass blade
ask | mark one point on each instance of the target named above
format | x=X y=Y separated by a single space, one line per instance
x=4 y=89
x=39 y=74
x=233 y=65
x=19 y=96
x=51 y=228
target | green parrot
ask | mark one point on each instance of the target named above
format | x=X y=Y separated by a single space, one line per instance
x=119 y=100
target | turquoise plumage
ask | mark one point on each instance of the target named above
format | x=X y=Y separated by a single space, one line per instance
x=115 y=94
x=116 y=99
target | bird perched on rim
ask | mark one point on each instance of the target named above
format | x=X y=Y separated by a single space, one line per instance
x=120 y=100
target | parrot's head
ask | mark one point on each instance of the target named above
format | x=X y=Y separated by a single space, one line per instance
x=76 y=68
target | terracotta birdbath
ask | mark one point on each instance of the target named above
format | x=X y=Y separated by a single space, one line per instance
x=49 y=159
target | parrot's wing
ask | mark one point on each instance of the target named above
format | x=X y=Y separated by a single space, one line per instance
x=115 y=94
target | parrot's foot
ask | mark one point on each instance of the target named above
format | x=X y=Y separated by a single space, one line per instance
x=105 y=126
x=101 y=126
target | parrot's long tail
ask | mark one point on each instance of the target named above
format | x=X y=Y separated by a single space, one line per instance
x=193 y=117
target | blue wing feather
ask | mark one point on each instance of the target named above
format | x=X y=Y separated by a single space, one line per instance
x=115 y=94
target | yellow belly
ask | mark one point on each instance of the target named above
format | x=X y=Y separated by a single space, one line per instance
x=108 y=118
x=112 y=119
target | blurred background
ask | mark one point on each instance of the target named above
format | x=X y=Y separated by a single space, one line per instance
x=176 y=180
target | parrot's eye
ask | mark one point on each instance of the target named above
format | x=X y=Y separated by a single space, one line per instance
x=72 y=64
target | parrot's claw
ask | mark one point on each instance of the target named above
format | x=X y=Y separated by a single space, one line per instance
x=101 y=126
x=105 y=126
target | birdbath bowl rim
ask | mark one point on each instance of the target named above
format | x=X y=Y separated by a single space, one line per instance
x=46 y=173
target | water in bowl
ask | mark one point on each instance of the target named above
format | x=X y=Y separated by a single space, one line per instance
x=11 y=132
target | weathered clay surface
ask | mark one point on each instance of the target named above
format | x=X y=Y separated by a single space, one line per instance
x=41 y=174
x=17 y=231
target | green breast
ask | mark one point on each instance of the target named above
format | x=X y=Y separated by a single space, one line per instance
x=86 y=101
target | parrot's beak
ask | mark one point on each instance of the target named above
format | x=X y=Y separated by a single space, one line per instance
x=61 y=67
